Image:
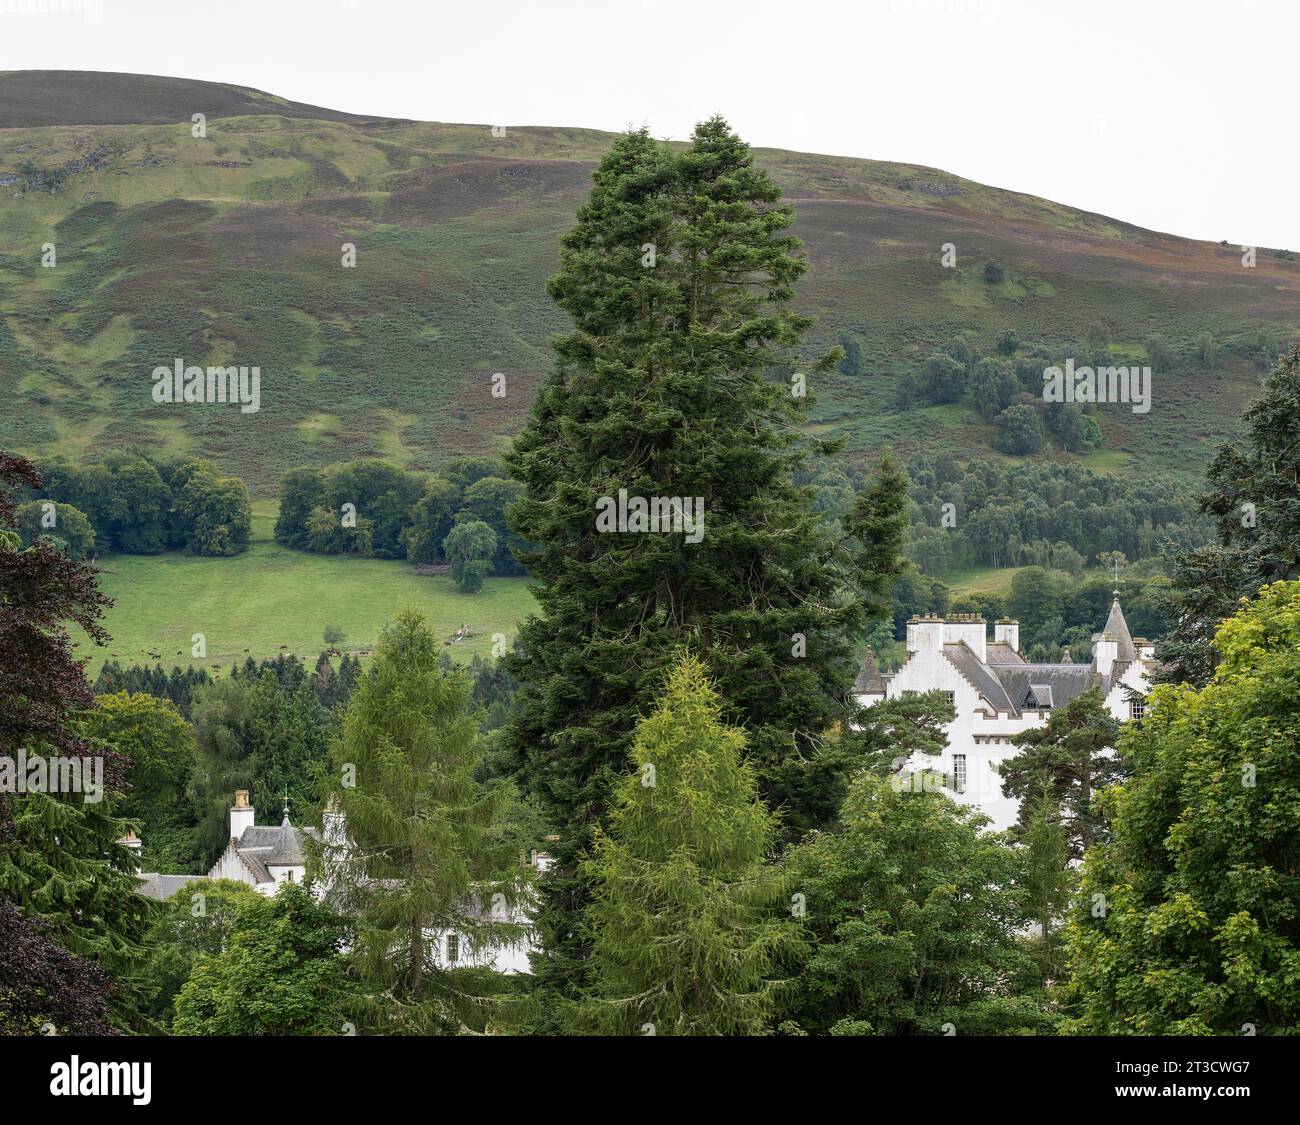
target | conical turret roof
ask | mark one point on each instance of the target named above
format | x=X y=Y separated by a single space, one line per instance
x=1117 y=627
x=286 y=851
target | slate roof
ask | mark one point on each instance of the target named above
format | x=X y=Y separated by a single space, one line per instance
x=999 y=653
x=1060 y=682
x=161 y=887
x=979 y=676
x=287 y=850
x=869 y=680
x=262 y=845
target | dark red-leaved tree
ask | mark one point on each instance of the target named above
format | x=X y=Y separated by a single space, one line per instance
x=43 y=986
x=41 y=682
x=68 y=888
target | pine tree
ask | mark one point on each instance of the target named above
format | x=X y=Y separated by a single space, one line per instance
x=680 y=377
x=423 y=854
x=1072 y=759
x=1254 y=500
x=688 y=924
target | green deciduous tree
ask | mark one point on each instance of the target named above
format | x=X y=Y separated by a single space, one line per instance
x=67 y=527
x=197 y=920
x=431 y=519
x=1189 y=921
x=1019 y=430
x=913 y=920
x=159 y=745
x=280 y=971
x=470 y=548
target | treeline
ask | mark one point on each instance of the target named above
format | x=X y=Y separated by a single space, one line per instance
x=982 y=513
x=264 y=727
x=371 y=508
x=1041 y=514
x=138 y=504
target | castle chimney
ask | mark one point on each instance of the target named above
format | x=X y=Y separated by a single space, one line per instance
x=1007 y=632
x=925 y=634
x=1104 y=653
x=241 y=814
x=968 y=628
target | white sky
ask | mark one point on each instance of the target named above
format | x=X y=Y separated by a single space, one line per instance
x=1179 y=115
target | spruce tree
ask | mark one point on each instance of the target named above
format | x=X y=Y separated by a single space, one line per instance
x=680 y=377
x=421 y=854
x=688 y=925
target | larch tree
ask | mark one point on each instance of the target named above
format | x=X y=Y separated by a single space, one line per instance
x=419 y=852
x=688 y=924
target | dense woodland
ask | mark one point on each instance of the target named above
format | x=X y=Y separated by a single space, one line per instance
x=736 y=850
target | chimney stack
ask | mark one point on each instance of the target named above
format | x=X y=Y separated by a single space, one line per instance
x=241 y=814
x=1007 y=632
x=1104 y=652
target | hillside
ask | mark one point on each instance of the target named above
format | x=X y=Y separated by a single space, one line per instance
x=81 y=97
x=227 y=249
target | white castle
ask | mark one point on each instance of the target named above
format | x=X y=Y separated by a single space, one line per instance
x=997 y=694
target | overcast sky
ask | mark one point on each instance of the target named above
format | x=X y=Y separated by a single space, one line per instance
x=1179 y=115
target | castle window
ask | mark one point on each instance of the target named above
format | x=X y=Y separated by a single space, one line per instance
x=951 y=697
x=1138 y=709
x=959 y=772
x=453 y=948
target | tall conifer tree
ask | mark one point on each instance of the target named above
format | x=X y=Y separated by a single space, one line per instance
x=680 y=377
x=420 y=854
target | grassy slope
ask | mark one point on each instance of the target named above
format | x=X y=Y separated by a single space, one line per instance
x=271 y=600
x=227 y=249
